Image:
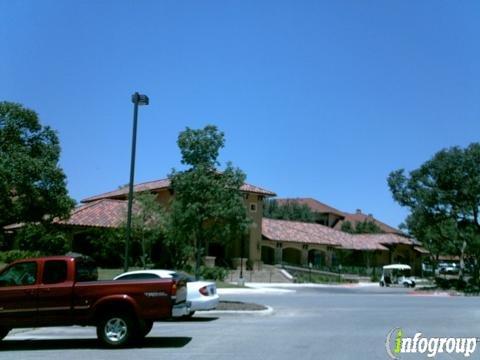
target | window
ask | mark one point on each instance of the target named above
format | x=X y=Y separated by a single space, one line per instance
x=19 y=274
x=55 y=272
x=139 y=276
x=253 y=207
x=86 y=270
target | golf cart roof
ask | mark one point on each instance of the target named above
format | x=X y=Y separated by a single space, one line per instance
x=397 y=267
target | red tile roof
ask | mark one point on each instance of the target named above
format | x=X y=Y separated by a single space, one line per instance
x=301 y=232
x=421 y=250
x=105 y=213
x=311 y=233
x=162 y=184
x=387 y=239
x=355 y=218
x=313 y=204
x=359 y=217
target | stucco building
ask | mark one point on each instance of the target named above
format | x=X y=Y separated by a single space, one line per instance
x=108 y=210
x=269 y=241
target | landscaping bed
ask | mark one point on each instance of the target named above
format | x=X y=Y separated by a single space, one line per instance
x=239 y=306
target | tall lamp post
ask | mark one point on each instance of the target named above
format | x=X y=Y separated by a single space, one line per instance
x=137 y=100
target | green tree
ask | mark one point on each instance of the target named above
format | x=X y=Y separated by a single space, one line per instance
x=361 y=227
x=104 y=245
x=32 y=185
x=148 y=224
x=443 y=196
x=290 y=210
x=207 y=205
x=45 y=238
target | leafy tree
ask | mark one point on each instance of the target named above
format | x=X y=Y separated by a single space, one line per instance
x=290 y=210
x=148 y=224
x=207 y=204
x=104 y=245
x=361 y=227
x=32 y=185
x=443 y=196
x=44 y=238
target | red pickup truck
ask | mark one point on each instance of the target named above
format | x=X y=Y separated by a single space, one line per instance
x=63 y=291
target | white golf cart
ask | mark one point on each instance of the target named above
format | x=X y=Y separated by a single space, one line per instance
x=397 y=275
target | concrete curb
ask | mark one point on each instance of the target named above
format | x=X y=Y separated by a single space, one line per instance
x=268 y=311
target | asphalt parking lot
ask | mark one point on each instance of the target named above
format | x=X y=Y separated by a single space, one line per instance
x=307 y=323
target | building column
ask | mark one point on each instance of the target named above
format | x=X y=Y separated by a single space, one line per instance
x=278 y=253
x=304 y=257
x=329 y=256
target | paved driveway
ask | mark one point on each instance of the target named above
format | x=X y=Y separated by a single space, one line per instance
x=312 y=323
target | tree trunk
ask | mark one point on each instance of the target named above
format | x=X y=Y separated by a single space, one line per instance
x=462 y=260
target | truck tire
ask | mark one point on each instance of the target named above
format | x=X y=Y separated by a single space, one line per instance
x=3 y=332
x=117 y=329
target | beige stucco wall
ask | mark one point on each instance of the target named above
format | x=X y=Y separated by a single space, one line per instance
x=255 y=236
x=282 y=251
x=254 y=207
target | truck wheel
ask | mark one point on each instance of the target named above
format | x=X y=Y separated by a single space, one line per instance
x=3 y=332
x=116 y=330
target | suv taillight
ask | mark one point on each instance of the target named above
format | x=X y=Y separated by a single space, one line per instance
x=203 y=291
x=174 y=288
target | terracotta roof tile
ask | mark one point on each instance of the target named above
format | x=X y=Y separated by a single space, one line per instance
x=295 y=231
x=421 y=250
x=164 y=184
x=313 y=204
x=360 y=217
x=311 y=233
x=387 y=238
x=106 y=213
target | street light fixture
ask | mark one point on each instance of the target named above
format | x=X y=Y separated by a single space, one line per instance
x=137 y=100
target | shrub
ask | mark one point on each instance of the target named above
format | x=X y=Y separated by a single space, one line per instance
x=375 y=277
x=43 y=238
x=215 y=273
x=13 y=255
x=107 y=247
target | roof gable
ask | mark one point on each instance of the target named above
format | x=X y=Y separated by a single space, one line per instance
x=164 y=184
x=106 y=213
x=313 y=204
x=359 y=217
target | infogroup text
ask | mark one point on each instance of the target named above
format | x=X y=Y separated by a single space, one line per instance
x=397 y=343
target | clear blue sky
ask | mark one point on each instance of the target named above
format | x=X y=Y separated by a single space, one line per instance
x=316 y=98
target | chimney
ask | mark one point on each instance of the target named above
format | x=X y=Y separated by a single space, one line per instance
x=359 y=211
